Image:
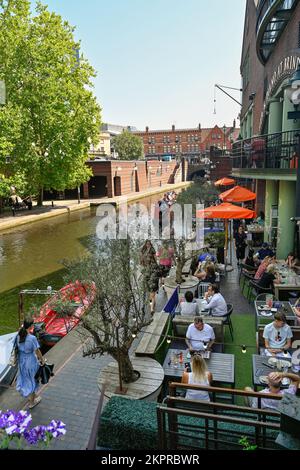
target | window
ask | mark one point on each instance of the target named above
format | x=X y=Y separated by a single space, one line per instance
x=245 y=71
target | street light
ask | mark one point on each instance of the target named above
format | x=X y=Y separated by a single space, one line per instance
x=224 y=135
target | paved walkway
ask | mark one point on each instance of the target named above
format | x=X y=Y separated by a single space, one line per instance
x=7 y=221
x=72 y=395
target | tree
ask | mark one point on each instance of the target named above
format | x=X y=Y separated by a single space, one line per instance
x=51 y=110
x=128 y=146
x=121 y=301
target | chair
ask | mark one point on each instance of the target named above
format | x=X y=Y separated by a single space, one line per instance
x=250 y=278
x=202 y=288
x=251 y=270
x=260 y=290
x=262 y=297
x=227 y=319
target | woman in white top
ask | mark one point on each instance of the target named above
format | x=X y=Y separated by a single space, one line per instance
x=199 y=376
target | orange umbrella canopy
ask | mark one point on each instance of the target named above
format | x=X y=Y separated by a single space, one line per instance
x=224 y=182
x=237 y=194
x=226 y=211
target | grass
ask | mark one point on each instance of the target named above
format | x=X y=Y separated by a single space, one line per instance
x=243 y=334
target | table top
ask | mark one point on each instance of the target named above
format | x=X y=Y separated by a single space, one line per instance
x=285 y=307
x=259 y=368
x=220 y=365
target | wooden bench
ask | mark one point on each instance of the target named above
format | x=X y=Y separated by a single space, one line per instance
x=260 y=341
x=181 y=323
x=152 y=335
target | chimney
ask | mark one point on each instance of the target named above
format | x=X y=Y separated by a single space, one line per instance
x=199 y=126
x=173 y=128
x=234 y=124
x=147 y=129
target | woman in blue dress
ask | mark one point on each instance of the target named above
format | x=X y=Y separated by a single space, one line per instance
x=29 y=358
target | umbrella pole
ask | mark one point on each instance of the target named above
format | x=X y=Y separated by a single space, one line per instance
x=231 y=242
x=226 y=244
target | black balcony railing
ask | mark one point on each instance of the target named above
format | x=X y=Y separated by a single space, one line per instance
x=280 y=150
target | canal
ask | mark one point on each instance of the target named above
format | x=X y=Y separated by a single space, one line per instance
x=31 y=256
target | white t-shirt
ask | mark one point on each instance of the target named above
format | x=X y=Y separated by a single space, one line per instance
x=268 y=402
x=189 y=308
x=197 y=337
x=277 y=337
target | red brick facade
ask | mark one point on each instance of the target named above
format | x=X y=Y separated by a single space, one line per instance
x=116 y=178
x=186 y=142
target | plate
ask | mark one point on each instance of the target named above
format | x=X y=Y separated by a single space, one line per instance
x=260 y=308
x=263 y=379
x=274 y=310
x=266 y=307
x=266 y=314
x=273 y=361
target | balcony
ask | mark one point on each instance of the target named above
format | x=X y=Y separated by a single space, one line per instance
x=267 y=156
x=273 y=16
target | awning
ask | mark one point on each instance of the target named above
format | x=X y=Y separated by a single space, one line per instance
x=226 y=211
x=237 y=194
x=224 y=182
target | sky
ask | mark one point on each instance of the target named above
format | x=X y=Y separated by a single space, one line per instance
x=157 y=60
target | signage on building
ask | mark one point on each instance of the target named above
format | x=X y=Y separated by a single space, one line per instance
x=285 y=68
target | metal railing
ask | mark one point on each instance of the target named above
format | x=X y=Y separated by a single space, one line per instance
x=279 y=150
x=187 y=424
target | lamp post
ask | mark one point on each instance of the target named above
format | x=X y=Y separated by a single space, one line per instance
x=224 y=136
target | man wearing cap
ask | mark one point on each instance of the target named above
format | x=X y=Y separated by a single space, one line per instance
x=263 y=252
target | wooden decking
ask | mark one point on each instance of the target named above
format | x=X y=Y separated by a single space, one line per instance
x=147 y=386
x=152 y=335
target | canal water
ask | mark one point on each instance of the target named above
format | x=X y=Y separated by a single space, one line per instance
x=31 y=256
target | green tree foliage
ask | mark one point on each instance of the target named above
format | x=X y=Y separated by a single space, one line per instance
x=200 y=192
x=128 y=146
x=51 y=116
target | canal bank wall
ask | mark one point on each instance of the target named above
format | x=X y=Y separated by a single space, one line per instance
x=24 y=217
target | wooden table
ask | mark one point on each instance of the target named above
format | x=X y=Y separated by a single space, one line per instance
x=293 y=287
x=259 y=368
x=220 y=365
x=286 y=307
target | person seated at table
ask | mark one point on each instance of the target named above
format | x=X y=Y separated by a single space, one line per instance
x=215 y=301
x=207 y=256
x=262 y=267
x=278 y=337
x=296 y=307
x=292 y=261
x=261 y=219
x=269 y=277
x=190 y=306
x=199 y=334
x=249 y=261
x=208 y=275
x=274 y=383
x=263 y=252
x=198 y=376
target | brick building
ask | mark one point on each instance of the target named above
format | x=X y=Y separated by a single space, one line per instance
x=267 y=155
x=188 y=143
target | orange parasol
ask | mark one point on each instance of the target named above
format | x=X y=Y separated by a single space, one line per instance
x=226 y=211
x=237 y=194
x=224 y=182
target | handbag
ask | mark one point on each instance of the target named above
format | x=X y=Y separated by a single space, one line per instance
x=44 y=373
x=13 y=360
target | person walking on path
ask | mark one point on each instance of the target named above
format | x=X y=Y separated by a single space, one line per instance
x=240 y=243
x=29 y=360
x=150 y=271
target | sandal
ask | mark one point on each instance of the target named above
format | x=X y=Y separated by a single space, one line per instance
x=36 y=402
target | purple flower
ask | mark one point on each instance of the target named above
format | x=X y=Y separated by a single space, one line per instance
x=15 y=422
x=56 y=428
x=34 y=435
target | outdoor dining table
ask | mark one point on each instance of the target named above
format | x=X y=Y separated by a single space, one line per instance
x=290 y=280
x=219 y=364
x=268 y=314
x=260 y=367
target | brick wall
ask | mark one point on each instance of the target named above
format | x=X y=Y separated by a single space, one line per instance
x=134 y=176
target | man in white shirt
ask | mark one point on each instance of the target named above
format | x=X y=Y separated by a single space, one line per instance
x=215 y=301
x=198 y=335
x=278 y=337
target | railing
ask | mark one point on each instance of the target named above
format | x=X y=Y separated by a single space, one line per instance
x=279 y=150
x=187 y=424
